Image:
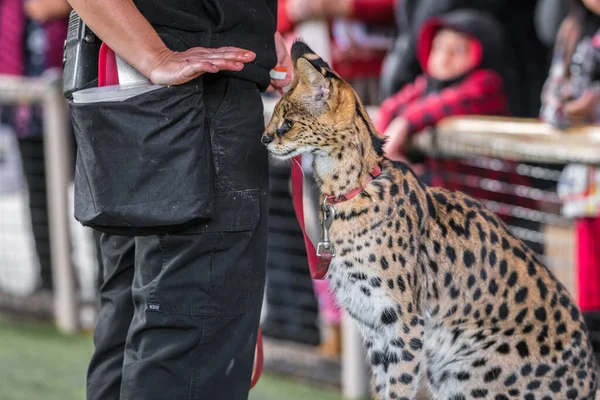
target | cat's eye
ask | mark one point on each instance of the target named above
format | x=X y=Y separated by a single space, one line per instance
x=285 y=127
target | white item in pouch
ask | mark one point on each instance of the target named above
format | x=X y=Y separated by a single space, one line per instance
x=131 y=83
x=127 y=74
x=113 y=92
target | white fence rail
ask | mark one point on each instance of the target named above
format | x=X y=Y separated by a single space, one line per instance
x=47 y=91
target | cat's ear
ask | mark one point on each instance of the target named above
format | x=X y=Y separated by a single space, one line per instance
x=318 y=87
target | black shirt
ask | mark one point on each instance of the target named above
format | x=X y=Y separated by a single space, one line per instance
x=248 y=24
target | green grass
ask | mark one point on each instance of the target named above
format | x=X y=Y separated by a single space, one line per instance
x=37 y=362
x=275 y=388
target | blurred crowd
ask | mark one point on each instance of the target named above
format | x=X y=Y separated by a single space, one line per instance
x=419 y=61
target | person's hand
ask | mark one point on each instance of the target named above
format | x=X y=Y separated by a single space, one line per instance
x=302 y=10
x=395 y=145
x=397 y=138
x=175 y=68
x=583 y=108
x=283 y=60
x=297 y=10
x=42 y=11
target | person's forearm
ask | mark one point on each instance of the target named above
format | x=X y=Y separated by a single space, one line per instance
x=125 y=30
x=58 y=9
x=379 y=12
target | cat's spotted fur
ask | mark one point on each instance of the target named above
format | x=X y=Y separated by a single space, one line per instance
x=444 y=293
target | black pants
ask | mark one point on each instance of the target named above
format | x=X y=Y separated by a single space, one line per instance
x=180 y=312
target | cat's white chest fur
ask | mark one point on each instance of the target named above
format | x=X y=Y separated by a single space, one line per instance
x=360 y=291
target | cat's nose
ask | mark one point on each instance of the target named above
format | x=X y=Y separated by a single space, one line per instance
x=266 y=139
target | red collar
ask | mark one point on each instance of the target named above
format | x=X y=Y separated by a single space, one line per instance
x=330 y=199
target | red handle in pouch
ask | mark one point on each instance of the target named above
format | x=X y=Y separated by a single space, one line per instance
x=107 y=67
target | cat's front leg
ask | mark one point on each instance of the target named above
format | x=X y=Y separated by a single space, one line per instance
x=395 y=354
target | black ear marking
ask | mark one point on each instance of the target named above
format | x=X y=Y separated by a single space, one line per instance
x=376 y=140
x=301 y=50
x=330 y=75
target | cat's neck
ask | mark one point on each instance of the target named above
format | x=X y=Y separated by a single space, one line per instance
x=343 y=169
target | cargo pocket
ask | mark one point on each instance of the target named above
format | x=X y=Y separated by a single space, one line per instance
x=207 y=271
x=144 y=165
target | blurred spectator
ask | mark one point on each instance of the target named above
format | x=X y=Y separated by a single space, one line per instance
x=571 y=97
x=32 y=34
x=401 y=65
x=462 y=56
x=361 y=31
x=45 y=11
x=572 y=91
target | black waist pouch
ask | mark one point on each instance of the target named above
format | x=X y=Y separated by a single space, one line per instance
x=144 y=165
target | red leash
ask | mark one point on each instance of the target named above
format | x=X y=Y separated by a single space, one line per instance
x=259 y=360
x=318 y=264
x=316 y=270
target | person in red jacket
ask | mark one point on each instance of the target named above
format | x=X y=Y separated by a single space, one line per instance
x=459 y=53
x=466 y=73
x=361 y=31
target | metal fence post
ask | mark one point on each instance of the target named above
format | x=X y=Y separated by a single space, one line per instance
x=58 y=166
x=46 y=91
x=355 y=384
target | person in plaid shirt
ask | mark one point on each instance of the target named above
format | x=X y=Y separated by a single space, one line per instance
x=466 y=72
x=459 y=53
